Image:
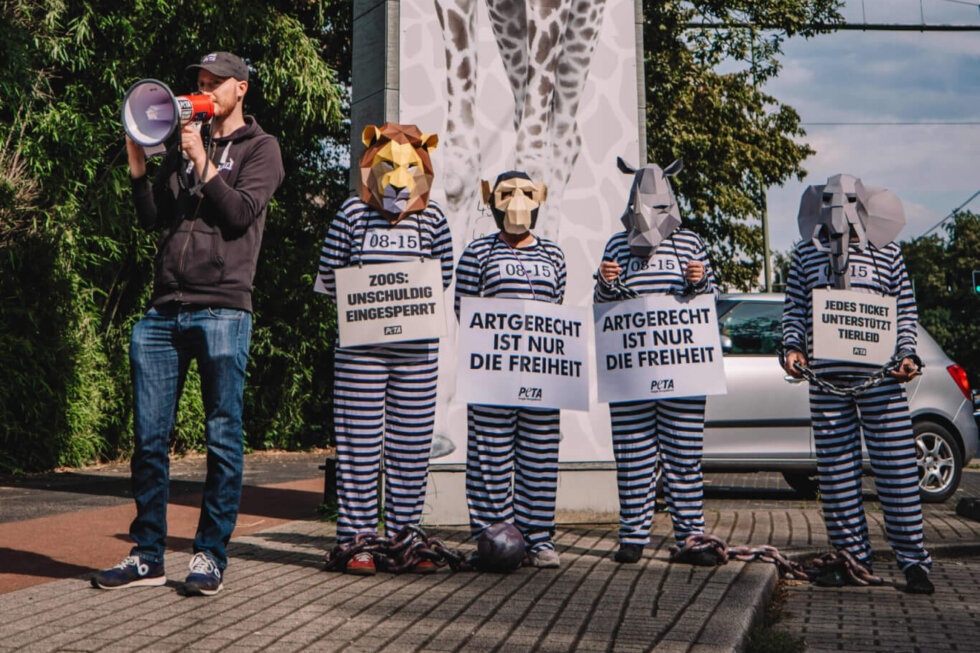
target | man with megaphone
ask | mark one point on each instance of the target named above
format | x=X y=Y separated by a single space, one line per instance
x=209 y=199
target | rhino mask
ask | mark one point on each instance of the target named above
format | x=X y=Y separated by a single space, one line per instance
x=845 y=212
x=652 y=213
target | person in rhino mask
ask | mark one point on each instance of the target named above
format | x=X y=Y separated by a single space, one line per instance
x=654 y=255
x=211 y=216
x=848 y=231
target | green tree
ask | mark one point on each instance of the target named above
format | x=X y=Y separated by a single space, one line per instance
x=735 y=140
x=942 y=275
x=75 y=272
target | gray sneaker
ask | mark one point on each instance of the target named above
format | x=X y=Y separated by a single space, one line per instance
x=545 y=559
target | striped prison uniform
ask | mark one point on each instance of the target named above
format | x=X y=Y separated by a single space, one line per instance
x=510 y=446
x=881 y=412
x=649 y=434
x=384 y=396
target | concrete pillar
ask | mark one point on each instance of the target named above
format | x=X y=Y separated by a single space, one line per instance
x=641 y=82
x=374 y=71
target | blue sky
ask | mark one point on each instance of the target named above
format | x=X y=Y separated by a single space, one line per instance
x=887 y=77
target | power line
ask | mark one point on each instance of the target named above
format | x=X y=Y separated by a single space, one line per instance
x=842 y=27
x=926 y=123
x=951 y=214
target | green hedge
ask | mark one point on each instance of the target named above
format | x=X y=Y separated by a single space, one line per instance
x=75 y=271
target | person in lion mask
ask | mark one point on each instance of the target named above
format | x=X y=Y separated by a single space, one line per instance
x=385 y=395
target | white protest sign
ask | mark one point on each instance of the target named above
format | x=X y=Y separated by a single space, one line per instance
x=390 y=302
x=658 y=347
x=853 y=326
x=515 y=352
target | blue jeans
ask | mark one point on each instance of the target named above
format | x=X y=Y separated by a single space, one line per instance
x=161 y=348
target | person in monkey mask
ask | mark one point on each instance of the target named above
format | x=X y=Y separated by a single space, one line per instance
x=512 y=452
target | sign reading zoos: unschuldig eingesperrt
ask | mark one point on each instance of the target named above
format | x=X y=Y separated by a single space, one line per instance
x=658 y=347
x=516 y=352
x=390 y=302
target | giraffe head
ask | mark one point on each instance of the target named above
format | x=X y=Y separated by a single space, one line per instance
x=514 y=200
x=652 y=213
x=396 y=171
x=843 y=212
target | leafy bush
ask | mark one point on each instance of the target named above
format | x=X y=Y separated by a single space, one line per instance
x=75 y=272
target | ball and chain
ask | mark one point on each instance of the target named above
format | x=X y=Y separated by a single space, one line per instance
x=411 y=546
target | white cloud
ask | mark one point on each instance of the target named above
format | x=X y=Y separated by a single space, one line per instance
x=886 y=77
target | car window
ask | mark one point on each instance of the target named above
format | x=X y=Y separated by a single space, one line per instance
x=752 y=328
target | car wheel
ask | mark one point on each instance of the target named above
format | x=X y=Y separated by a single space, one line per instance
x=939 y=462
x=805 y=483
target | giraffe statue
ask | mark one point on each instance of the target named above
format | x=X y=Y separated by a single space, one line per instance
x=461 y=143
x=546 y=47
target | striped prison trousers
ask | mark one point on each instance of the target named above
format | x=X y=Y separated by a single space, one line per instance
x=883 y=413
x=648 y=435
x=382 y=404
x=513 y=447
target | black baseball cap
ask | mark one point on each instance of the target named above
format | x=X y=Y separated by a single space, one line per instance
x=222 y=64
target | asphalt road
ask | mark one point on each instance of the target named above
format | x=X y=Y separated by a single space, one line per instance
x=42 y=495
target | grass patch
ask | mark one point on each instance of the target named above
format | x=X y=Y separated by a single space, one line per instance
x=766 y=637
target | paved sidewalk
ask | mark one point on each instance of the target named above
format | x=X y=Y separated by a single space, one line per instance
x=881 y=619
x=278 y=599
x=68 y=523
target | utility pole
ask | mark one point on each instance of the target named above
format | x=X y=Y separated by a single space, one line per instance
x=763 y=203
x=766 y=254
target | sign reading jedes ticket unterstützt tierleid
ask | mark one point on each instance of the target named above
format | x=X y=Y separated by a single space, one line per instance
x=515 y=352
x=658 y=347
x=390 y=302
x=854 y=326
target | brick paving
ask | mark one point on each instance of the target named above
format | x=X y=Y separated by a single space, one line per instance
x=884 y=618
x=278 y=599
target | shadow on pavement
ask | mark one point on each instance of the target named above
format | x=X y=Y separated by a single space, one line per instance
x=29 y=563
x=282 y=503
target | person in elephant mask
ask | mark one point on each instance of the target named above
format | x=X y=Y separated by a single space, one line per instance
x=848 y=232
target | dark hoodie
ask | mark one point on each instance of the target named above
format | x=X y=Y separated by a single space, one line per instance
x=210 y=244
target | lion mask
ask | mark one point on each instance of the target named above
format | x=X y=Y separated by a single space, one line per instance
x=396 y=171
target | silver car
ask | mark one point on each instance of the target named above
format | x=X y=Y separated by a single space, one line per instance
x=763 y=423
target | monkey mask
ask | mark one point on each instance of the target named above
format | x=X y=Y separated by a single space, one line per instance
x=843 y=212
x=396 y=171
x=514 y=201
x=652 y=213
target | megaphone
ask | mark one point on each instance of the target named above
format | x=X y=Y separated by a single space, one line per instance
x=151 y=112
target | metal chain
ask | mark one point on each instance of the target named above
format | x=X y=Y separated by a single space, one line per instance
x=872 y=381
x=401 y=553
x=841 y=561
x=848 y=391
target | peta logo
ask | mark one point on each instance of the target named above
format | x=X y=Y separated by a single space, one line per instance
x=661 y=385
x=393 y=330
x=859 y=351
x=529 y=394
